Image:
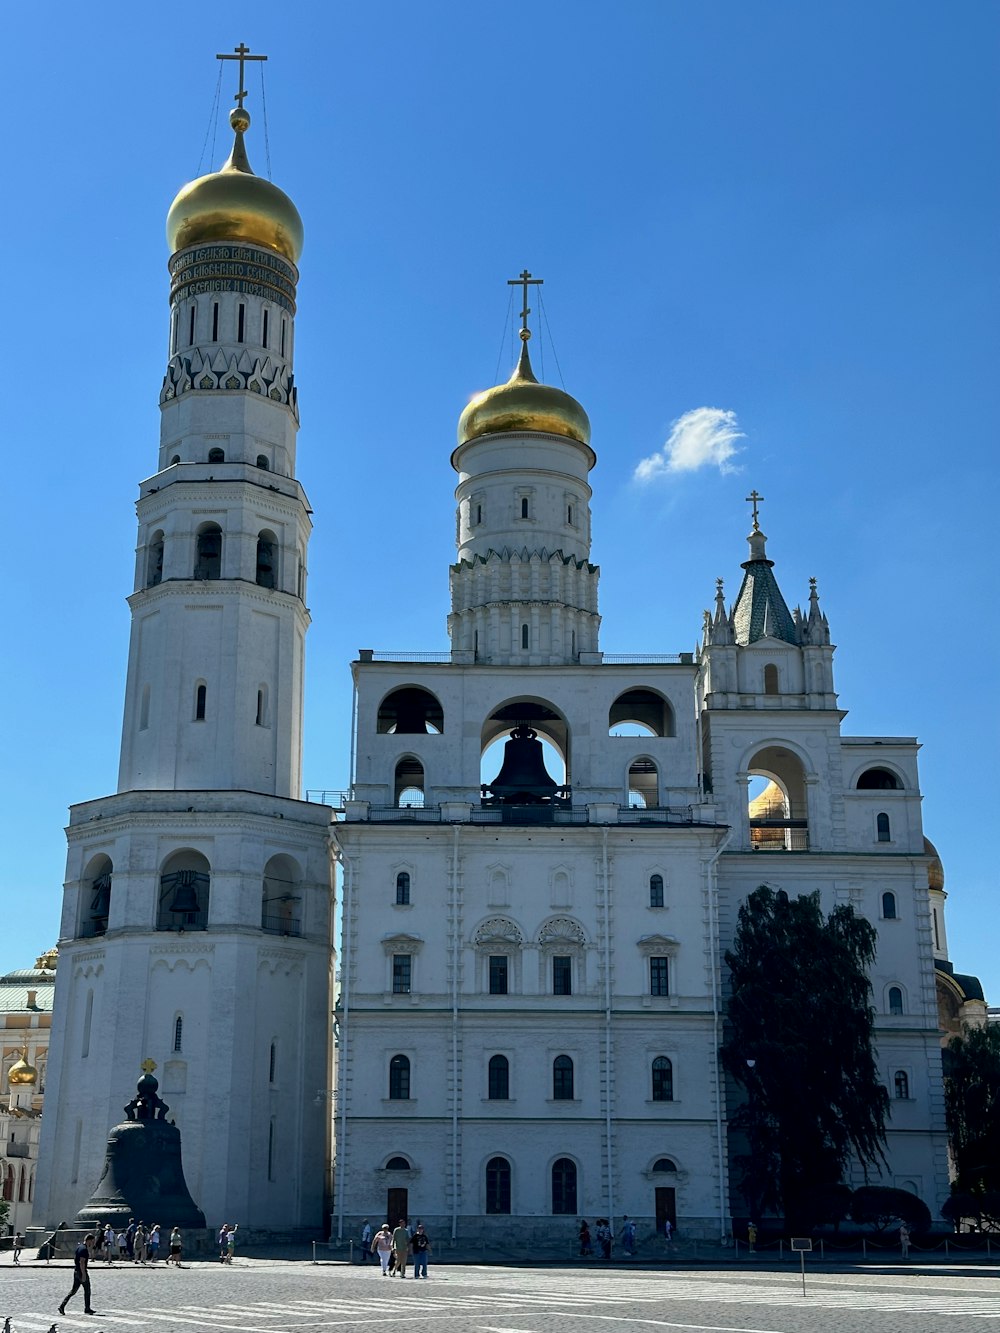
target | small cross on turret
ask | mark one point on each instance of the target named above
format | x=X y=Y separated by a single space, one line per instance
x=754 y=498
x=524 y=281
x=242 y=54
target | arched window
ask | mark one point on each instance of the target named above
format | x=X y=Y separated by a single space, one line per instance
x=882 y=828
x=262 y=462
x=901 y=1085
x=399 y=1079
x=154 y=562
x=878 y=779
x=216 y=455
x=263 y=330
x=664 y=1164
x=564 y=1187
x=184 y=892
x=656 y=890
x=498 y=1185
x=640 y=713
x=778 y=805
x=562 y=1079
x=398 y=1164
x=409 y=784
x=524 y=636
x=895 y=1000
x=272 y=1062
x=178 y=1033
x=175 y=460
x=663 y=1080
x=524 y=506
x=96 y=899
x=643 y=784
x=281 y=897
x=888 y=906
x=410 y=711
x=200 y=702
x=499 y=1078
x=267 y=561
x=208 y=562
x=8 y=1185
x=402 y=889
x=770 y=679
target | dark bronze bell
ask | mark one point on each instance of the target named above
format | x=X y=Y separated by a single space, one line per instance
x=143 y=1176
x=523 y=779
x=185 y=898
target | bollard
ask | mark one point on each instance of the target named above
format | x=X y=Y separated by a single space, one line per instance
x=947 y=1251
x=314 y=1251
x=822 y=1251
x=864 y=1248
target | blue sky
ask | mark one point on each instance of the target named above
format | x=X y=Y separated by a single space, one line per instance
x=782 y=212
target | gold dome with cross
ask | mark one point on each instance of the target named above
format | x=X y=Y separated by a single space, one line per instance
x=523 y=404
x=232 y=204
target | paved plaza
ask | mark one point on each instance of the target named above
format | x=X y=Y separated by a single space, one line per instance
x=256 y=1295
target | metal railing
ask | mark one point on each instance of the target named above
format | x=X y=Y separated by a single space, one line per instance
x=280 y=925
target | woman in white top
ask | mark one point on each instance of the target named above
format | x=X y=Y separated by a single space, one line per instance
x=382 y=1246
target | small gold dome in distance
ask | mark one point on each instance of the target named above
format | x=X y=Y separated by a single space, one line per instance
x=935 y=871
x=522 y=404
x=21 y=1074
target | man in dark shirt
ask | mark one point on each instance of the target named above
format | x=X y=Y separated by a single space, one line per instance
x=421 y=1248
x=81 y=1275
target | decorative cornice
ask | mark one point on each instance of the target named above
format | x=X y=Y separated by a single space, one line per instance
x=193 y=372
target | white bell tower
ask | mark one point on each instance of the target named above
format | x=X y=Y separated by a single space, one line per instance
x=197 y=912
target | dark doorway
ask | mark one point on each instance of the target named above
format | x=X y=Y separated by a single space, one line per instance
x=396 y=1207
x=666 y=1207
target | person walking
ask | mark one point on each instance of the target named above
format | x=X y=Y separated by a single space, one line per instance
x=400 y=1247
x=231 y=1244
x=604 y=1237
x=668 y=1231
x=154 y=1243
x=421 y=1245
x=81 y=1274
x=366 y=1240
x=176 y=1247
x=139 y=1244
x=586 y=1246
x=18 y=1246
x=904 y=1240
x=752 y=1237
x=223 y=1233
x=382 y=1246
x=130 y=1238
x=628 y=1236
x=110 y=1244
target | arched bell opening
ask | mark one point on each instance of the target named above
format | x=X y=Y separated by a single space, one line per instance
x=643 y=784
x=641 y=713
x=778 y=810
x=408 y=783
x=184 y=892
x=281 y=897
x=208 y=548
x=410 y=711
x=524 y=754
x=267 y=560
x=95 y=902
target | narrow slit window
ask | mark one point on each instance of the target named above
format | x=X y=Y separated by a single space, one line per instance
x=403 y=889
x=260 y=708
x=524 y=506
x=215 y=321
x=883 y=832
x=524 y=636
x=284 y=325
x=178 y=1033
x=656 y=890
x=191 y=329
x=272 y=1063
x=241 y=322
x=263 y=332
x=569 y=515
x=200 y=700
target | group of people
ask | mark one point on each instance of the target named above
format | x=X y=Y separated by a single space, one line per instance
x=227 y=1242
x=393 y=1248
x=606 y=1237
x=135 y=1242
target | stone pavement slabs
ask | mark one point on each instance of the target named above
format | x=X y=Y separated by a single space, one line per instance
x=271 y=1296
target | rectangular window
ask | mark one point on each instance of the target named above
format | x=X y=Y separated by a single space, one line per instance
x=191 y=332
x=498 y=974
x=401 y=973
x=263 y=337
x=241 y=322
x=658 y=977
x=283 y=323
x=562 y=975
x=215 y=321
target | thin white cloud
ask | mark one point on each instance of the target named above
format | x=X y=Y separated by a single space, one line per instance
x=703 y=437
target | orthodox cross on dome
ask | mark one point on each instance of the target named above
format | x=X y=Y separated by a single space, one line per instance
x=524 y=281
x=754 y=498
x=242 y=54
x=148 y=1066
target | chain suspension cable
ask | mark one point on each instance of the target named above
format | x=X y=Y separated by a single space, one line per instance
x=213 y=119
x=503 y=336
x=552 y=341
x=263 y=104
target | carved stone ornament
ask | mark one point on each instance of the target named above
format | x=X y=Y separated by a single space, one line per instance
x=394 y=944
x=659 y=945
x=190 y=371
x=561 y=930
x=498 y=928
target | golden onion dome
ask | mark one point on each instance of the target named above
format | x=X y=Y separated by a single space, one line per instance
x=522 y=404
x=935 y=870
x=21 y=1074
x=233 y=204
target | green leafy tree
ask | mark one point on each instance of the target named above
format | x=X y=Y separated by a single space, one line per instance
x=800 y=1041
x=972 y=1107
